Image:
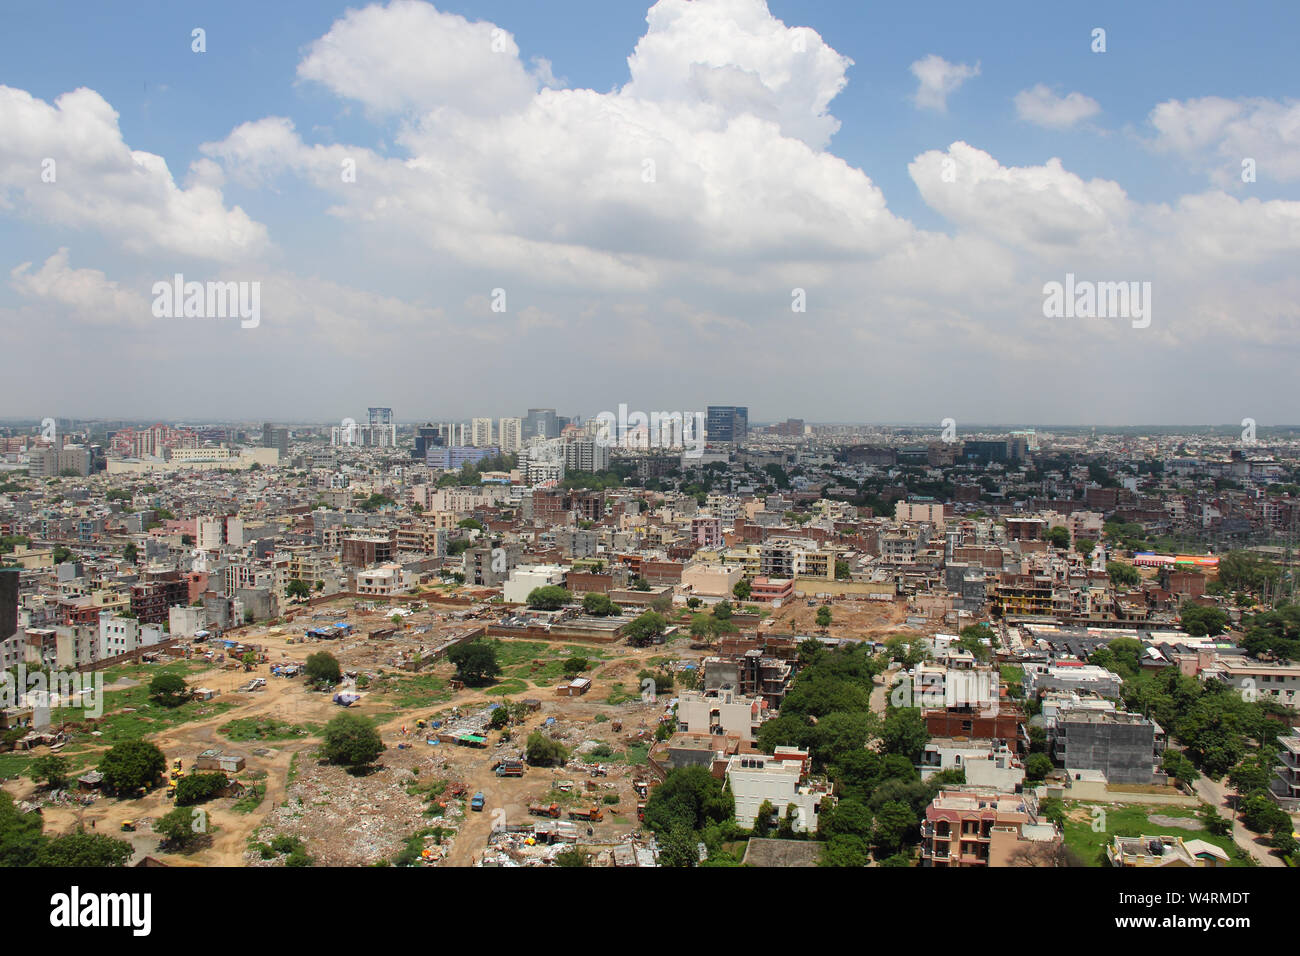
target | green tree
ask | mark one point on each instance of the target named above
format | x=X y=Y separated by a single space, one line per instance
x=678 y=848
x=169 y=690
x=322 y=669
x=132 y=765
x=689 y=798
x=131 y=552
x=849 y=817
x=1037 y=767
x=645 y=629
x=823 y=616
x=476 y=662
x=199 y=788
x=742 y=589
x=972 y=638
x=351 y=741
x=1122 y=575
x=548 y=598
x=904 y=733
x=1260 y=814
x=575 y=665
x=542 y=751
x=180 y=828
x=893 y=822
x=1084 y=546
x=763 y=819
x=1255 y=772
x=1179 y=767
x=599 y=605
x=1200 y=621
x=845 y=850
x=21 y=838
x=298 y=589
x=50 y=770
x=80 y=849
x=1058 y=537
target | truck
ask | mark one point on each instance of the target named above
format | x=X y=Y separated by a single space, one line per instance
x=510 y=768
x=551 y=810
x=594 y=815
x=477 y=802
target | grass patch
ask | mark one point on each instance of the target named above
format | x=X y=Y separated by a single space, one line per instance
x=411 y=690
x=618 y=694
x=251 y=800
x=1131 y=821
x=265 y=728
x=511 y=685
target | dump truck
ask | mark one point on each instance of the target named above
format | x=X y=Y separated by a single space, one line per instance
x=594 y=815
x=128 y=826
x=510 y=768
x=477 y=802
x=545 y=810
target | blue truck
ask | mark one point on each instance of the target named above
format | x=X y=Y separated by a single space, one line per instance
x=477 y=802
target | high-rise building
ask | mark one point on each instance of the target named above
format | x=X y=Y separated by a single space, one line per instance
x=510 y=435
x=727 y=423
x=426 y=436
x=273 y=437
x=8 y=603
x=382 y=432
x=541 y=423
x=587 y=455
x=480 y=432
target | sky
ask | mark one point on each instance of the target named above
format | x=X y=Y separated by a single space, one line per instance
x=825 y=210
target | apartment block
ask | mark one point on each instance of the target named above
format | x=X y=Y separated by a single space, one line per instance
x=979 y=828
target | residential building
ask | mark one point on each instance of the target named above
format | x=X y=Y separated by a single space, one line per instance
x=972 y=827
x=781 y=779
x=1164 y=851
x=720 y=711
x=1127 y=748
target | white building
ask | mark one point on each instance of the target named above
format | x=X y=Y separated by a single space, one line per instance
x=121 y=635
x=383 y=580
x=986 y=764
x=184 y=621
x=480 y=432
x=525 y=578
x=781 y=779
x=510 y=435
x=720 y=712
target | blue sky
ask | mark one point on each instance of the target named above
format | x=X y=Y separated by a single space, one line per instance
x=171 y=102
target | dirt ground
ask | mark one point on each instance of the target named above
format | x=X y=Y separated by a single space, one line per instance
x=872 y=620
x=346 y=820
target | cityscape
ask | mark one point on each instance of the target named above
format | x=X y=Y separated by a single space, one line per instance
x=668 y=435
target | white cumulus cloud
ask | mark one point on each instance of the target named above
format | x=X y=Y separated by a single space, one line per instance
x=937 y=79
x=1042 y=107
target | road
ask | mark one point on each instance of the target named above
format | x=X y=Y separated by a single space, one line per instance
x=1216 y=795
